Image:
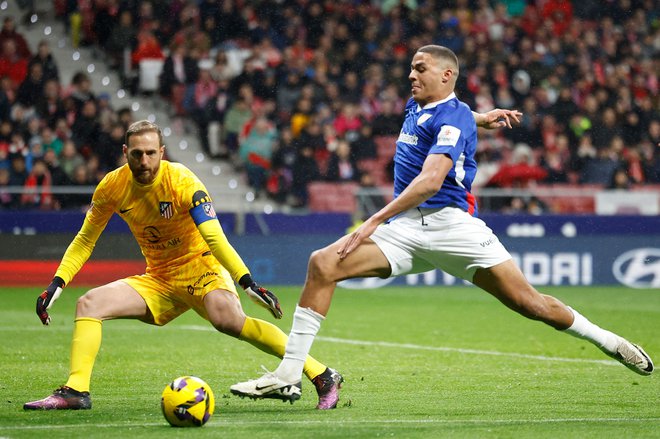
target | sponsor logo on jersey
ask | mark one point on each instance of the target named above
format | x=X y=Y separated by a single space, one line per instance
x=638 y=268
x=151 y=234
x=166 y=210
x=448 y=135
x=410 y=139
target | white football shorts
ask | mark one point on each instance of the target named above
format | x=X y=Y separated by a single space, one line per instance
x=448 y=239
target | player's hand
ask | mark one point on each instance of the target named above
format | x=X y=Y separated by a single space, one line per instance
x=48 y=297
x=261 y=296
x=351 y=241
x=499 y=118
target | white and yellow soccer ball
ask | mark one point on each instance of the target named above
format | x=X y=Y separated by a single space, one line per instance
x=187 y=402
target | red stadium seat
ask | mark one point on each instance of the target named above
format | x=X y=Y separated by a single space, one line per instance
x=332 y=197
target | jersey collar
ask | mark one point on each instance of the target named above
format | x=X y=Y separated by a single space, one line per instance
x=436 y=103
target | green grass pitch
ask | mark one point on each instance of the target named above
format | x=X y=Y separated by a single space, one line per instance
x=418 y=362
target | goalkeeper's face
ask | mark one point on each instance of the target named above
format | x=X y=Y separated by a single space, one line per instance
x=143 y=154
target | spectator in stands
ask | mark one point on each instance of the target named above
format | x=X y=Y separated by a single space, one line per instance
x=342 y=166
x=70 y=158
x=81 y=180
x=300 y=116
x=205 y=91
x=48 y=63
x=86 y=130
x=50 y=141
x=49 y=105
x=255 y=152
x=18 y=173
x=31 y=90
x=7 y=98
x=620 y=180
x=214 y=113
x=9 y=33
x=57 y=174
x=606 y=127
x=348 y=122
x=283 y=162
x=364 y=146
x=80 y=91
x=109 y=146
x=288 y=93
x=224 y=67
x=37 y=188
x=238 y=114
x=12 y=65
x=106 y=114
x=7 y=200
x=520 y=172
x=600 y=170
x=388 y=121
x=121 y=39
x=147 y=47
x=306 y=170
x=178 y=77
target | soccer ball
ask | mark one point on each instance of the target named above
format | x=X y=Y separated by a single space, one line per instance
x=187 y=402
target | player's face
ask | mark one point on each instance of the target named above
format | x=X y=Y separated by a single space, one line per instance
x=430 y=80
x=143 y=154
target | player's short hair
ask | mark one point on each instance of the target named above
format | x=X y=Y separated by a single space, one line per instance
x=143 y=126
x=441 y=53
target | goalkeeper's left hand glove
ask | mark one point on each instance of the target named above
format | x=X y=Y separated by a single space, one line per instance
x=48 y=297
x=261 y=296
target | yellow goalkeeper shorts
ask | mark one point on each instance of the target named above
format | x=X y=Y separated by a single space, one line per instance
x=169 y=296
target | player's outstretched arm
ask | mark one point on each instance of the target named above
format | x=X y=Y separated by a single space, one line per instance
x=497 y=118
x=261 y=296
x=48 y=297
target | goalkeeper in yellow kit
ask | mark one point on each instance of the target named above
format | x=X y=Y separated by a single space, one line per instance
x=190 y=264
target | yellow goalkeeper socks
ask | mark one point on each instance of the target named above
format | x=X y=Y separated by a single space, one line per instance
x=84 y=347
x=272 y=340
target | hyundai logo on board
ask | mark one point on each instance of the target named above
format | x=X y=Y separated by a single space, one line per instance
x=638 y=268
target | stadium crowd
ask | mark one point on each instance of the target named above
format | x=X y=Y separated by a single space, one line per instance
x=297 y=91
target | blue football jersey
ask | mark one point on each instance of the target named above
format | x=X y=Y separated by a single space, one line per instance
x=443 y=127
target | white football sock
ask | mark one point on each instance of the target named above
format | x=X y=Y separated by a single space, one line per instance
x=306 y=324
x=583 y=328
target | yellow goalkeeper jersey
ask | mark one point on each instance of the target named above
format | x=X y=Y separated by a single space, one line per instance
x=172 y=219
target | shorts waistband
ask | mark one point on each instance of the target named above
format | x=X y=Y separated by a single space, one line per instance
x=430 y=210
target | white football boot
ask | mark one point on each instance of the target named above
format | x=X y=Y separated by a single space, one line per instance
x=633 y=357
x=268 y=386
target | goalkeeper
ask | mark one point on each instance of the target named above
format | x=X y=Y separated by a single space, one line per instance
x=190 y=264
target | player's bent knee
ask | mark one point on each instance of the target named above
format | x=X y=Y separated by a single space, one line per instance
x=322 y=266
x=86 y=305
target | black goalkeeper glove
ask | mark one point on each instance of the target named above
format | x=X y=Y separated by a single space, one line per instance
x=48 y=297
x=261 y=296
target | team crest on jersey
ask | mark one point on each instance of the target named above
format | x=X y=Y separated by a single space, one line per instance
x=448 y=135
x=209 y=210
x=166 y=210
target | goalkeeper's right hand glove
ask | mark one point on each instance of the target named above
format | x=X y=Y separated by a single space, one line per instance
x=48 y=297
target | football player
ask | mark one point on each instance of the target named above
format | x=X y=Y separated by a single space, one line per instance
x=190 y=264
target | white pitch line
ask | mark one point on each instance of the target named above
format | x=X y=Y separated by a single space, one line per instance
x=384 y=344
x=387 y=344
x=334 y=422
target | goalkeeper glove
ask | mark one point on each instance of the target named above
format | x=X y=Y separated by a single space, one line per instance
x=261 y=296
x=48 y=297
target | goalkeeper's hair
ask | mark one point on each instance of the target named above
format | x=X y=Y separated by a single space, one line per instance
x=143 y=126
